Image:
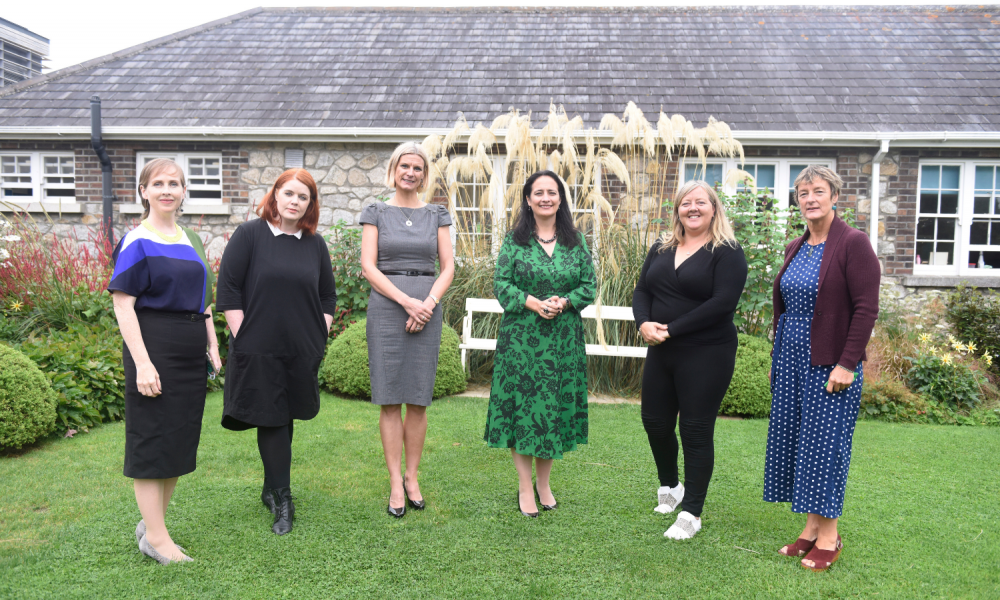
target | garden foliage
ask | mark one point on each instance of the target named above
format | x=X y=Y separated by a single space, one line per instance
x=27 y=402
x=975 y=315
x=345 y=367
x=84 y=367
x=749 y=393
x=345 y=254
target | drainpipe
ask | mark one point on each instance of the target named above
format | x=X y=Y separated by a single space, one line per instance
x=876 y=172
x=107 y=219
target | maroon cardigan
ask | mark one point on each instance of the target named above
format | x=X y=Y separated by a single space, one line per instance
x=847 y=303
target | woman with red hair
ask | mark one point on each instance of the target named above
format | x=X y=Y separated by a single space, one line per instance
x=277 y=290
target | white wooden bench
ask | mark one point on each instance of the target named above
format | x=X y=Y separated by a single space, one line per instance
x=489 y=305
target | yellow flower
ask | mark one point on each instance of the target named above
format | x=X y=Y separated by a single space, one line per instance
x=957 y=345
x=16 y=306
x=925 y=337
x=934 y=351
x=971 y=346
x=946 y=359
x=951 y=339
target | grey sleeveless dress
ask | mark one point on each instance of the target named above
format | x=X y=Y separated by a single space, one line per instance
x=403 y=365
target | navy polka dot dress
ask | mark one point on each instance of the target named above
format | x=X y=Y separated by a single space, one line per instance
x=809 y=437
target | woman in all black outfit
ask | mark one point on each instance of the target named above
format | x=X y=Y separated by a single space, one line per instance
x=277 y=289
x=684 y=303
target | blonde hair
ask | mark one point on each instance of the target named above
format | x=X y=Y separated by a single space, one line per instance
x=720 y=230
x=401 y=151
x=152 y=169
x=820 y=172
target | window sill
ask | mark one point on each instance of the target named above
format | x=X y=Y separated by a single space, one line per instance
x=986 y=280
x=189 y=209
x=71 y=207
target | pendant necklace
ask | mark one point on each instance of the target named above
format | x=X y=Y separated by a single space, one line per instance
x=548 y=241
x=409 y=222
x=809 y=252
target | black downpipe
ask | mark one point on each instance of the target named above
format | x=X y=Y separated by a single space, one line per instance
x=107 y=220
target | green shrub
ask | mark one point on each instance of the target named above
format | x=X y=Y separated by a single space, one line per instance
x=942 y=380
x=84 y=366
x=890 y=400
x=345 y=256
x=975 y=316
x=749 y=393
x=345 y=367
x=27 y=402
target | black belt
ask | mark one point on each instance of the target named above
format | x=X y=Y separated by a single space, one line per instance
x=410 y=273
x=174 y=315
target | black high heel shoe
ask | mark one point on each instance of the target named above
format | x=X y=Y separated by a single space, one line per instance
x=396 y=512
x=414 y=504
x=545 y=506
x=517 y=498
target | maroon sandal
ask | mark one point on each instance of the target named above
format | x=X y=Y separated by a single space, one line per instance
x=822 y=559
x=799 y=548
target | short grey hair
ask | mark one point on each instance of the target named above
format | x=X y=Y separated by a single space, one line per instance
x=820 y=172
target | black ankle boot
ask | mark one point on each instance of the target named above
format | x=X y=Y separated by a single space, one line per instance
x=267 y=497
x=284 y=511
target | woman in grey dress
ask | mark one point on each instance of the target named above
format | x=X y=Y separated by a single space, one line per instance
x=400 y=242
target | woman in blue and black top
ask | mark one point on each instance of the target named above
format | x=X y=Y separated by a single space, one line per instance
x=162 y=289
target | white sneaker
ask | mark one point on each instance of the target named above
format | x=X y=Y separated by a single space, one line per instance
x=669 y=498
x=684 y=527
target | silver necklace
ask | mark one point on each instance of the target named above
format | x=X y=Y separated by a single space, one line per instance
x=409 y=222
x=548 y=241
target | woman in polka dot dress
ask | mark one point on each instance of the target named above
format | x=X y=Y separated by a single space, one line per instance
x=825 y=306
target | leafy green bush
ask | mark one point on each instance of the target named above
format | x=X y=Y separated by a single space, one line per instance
x=975 y=315
x=84 y=366
x=345 y=367
x=749 y=393
x=890 y=400
x=345 y=255
x=941 y=379
x=27 y=402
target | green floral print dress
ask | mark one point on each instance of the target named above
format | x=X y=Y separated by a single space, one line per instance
x=538 y=400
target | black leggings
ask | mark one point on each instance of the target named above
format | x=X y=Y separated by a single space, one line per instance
x=690 y=380
x=275 y=446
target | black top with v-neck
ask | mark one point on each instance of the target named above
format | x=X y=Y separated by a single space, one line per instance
x=696 y=301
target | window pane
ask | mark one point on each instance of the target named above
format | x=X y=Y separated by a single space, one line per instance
x=205 y=193
x=949 y=203
x=995 y=234
x=984 y=178
x=991 y=259
x=945 y=254
x=765 y=176
x=924 y=250
x=930 y=177
x=60 y=193
x=946 y=229
x=979 y=232
x=925 y=228
x=712 y=174
x=981 y=205
x=949 y=178
x=928 y=202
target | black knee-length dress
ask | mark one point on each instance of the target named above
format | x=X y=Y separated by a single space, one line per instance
x=172 y=284
x=284 y=285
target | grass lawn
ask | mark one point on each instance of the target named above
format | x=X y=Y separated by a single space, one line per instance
x=922 y=518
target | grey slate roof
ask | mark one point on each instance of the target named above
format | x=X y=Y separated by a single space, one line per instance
x=785 y=69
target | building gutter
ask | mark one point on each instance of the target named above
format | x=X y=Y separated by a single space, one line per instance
x=965 y=139
x=876 y=173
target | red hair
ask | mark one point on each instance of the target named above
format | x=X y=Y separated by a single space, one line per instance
x=268 y=207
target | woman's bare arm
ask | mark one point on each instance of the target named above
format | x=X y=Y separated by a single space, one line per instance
x=147 y=379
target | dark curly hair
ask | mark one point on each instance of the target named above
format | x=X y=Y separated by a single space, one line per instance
x=524 y=228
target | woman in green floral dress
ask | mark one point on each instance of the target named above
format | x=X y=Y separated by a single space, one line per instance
x=538 y=400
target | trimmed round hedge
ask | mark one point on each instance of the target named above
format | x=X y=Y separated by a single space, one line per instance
x=749 y=393
x=27 y=402
x=345 y=366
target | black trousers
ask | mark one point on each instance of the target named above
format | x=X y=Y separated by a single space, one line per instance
x=687 y=381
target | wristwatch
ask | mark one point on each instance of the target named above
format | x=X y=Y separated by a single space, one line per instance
x=434 y=298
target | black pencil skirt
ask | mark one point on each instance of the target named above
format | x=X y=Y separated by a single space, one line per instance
x=162 y=432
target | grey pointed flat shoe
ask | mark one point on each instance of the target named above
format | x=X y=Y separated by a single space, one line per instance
x=140 y=530
x=148 y=549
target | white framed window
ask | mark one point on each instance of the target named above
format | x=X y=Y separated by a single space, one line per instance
x=203 y=172
x=38 y=181
x=777 y=175
x=958 y=218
